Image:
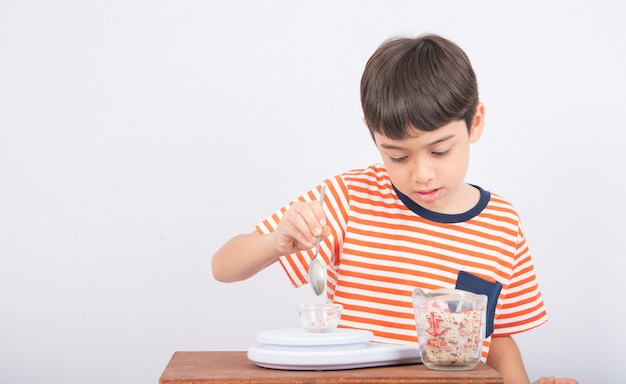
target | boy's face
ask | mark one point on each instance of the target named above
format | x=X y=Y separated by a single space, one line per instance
x=430 y=167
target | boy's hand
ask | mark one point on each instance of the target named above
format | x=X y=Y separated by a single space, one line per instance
x=554 y=380
x=300 y=227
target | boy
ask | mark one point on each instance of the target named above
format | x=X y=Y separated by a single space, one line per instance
x=413 y=221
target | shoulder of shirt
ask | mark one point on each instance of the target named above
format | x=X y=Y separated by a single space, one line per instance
x=372 y=177
x=374 y=171
x=497 y=201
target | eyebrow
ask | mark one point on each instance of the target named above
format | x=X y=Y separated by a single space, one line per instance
x=397 y=147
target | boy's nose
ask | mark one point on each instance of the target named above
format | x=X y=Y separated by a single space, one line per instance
x=422 y=172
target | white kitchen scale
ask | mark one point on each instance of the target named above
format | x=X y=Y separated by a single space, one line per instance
x=297 y=349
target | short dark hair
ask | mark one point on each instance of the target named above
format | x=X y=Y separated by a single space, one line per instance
x=417 y=83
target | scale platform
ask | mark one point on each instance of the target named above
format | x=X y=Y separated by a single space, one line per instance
x=297 y=349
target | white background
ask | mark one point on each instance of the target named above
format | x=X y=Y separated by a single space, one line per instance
x=136 y=137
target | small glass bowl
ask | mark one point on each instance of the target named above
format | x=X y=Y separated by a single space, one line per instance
x=319 y=318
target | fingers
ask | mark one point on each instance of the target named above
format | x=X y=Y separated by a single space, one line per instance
x=303 y=222
x=554 y=380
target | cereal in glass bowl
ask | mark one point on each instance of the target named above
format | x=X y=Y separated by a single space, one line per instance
x=319 y=318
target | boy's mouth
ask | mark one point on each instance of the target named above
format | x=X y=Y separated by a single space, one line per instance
x=428 y=196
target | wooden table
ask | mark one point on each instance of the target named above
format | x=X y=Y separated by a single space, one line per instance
x=234 y=367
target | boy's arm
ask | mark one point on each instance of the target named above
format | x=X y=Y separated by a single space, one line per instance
x=245 y=255
x=505 y=357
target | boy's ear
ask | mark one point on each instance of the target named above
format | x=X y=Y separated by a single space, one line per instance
x=476 y=130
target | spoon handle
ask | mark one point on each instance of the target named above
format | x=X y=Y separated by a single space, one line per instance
x=322 y=194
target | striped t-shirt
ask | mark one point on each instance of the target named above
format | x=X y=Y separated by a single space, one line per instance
x=383 y=245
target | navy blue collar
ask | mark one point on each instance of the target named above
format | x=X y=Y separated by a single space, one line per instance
x=443 y=217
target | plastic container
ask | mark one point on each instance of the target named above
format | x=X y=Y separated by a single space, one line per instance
x=450 y=328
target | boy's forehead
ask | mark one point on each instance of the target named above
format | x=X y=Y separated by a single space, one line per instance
x=411 y=133
x=436 y=136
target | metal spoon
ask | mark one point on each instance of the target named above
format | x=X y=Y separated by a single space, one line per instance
x=317 y=273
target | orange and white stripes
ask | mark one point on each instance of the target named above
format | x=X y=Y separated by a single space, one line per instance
x=380 y=250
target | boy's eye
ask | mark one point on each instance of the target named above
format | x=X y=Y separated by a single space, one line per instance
x=441 y=153
x=398 y=159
